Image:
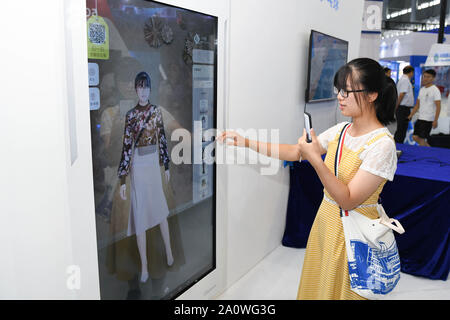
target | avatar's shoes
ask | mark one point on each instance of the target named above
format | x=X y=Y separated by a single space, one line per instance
x=144 y=277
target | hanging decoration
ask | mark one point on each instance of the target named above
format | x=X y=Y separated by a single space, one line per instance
x=167 y=34
x=156 y=33
x=152 y=32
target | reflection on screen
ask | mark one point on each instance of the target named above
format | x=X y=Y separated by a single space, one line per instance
x=327 y=55
x=152 y=71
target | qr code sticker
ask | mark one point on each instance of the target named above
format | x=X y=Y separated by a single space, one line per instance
x=97 y=33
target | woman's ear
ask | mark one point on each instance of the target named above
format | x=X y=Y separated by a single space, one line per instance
x=372 y=96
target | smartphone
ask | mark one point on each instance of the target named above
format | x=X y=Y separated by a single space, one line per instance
x=308 y=126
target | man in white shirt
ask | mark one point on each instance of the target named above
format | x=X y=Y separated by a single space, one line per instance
x=405 y=103
x=429 y=106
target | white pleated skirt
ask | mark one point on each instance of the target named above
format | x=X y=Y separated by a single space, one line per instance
x=148 y=203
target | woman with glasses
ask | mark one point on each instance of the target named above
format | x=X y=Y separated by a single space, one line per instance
x=368 y=160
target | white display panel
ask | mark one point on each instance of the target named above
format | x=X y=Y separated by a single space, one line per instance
x=173 y=53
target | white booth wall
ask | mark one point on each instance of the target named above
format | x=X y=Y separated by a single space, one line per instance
x=406 y=45
x=269 y=43
x=46 y=228
x=370 y=45
x=48 y=239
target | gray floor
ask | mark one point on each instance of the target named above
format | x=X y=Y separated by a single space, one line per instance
x=277 y=277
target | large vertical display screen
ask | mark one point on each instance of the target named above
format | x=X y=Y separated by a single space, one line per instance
x=152 y=87
x=326 y=55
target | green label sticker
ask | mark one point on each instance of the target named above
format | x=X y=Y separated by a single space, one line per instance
x=98 y=38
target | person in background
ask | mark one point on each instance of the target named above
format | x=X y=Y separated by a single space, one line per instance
x=405 y=103
x=387 y=71
x=429 y=107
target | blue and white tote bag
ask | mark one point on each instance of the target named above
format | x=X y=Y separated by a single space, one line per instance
x=373 y=259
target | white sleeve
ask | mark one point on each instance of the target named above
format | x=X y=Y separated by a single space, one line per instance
x=437 y=94
x=380 y=158
x=329 y=134
x=420 y=95
x=402 y=86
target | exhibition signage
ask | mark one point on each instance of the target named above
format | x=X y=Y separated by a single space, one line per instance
x=439 y=55
x=333 y=4
x=372 y=17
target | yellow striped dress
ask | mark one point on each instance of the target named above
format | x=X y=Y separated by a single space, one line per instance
x=325 y=267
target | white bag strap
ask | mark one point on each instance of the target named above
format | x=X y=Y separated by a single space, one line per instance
x=391 y=223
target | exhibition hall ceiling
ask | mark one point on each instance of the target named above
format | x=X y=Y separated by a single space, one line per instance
x=420 y=11
x=411 y=15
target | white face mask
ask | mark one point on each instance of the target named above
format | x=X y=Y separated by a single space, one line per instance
x=143 y=93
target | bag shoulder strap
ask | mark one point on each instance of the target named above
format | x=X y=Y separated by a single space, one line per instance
x=337 y=158
x=391 y=223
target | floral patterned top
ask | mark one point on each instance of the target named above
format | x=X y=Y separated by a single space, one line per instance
x=151 y=134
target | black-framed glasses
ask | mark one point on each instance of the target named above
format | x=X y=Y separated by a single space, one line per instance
x=344 y=93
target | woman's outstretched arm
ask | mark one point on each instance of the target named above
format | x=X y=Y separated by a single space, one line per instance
x=289 y=152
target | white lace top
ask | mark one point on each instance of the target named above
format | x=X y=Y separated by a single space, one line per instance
x=379 y=158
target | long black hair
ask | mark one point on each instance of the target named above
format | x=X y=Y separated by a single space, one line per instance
x=368 y=74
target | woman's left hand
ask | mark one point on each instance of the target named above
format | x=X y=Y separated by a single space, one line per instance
x=310 y=151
